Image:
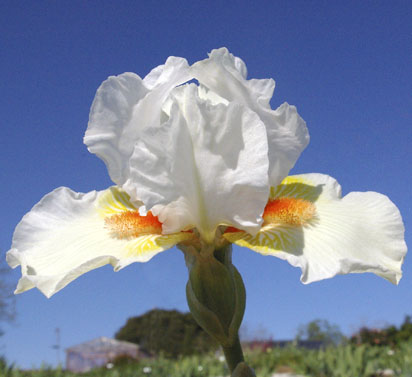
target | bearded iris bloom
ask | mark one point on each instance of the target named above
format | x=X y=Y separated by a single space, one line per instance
x=202 y=166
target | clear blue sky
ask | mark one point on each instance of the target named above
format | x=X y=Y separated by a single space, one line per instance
x=346 y=65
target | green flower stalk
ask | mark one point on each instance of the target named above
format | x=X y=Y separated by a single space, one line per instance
x=217 y=298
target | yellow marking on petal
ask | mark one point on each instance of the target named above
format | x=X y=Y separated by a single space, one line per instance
x=131 y=224
x=152 y=243
x=290 y=208
x=291 y=211
x=114 y=200
x=268 y=240
x=296 y=187
x=142 y=233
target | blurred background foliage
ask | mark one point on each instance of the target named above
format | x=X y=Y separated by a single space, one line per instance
x=335 y=361
x=167 y=332
x=180 y=348
x=7 y=300
x=320 y=330
x=388 y=336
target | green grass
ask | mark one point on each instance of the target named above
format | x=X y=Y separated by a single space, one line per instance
x=342 y=361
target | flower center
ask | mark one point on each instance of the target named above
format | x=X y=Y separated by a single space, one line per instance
x=290 y=211
x=131 y=224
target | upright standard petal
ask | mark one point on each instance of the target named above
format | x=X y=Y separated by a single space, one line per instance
x=308 y=224
x=68 y=234
x=287 y=134
x=123 y=106
x=206 y=166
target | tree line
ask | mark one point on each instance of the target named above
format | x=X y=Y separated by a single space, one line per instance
x=174 y=334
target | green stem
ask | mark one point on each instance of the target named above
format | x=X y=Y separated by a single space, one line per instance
x=233 y=354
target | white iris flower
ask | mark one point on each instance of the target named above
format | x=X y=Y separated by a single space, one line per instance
x=202 y=165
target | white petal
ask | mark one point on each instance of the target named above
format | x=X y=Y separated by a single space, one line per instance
x=171 y=73
x=123 y=106
x=64 y=236
x=286 y=130
x=206 y=94
x=110 y=115
x=206 y=166
x=362 y=232
x=287 y=138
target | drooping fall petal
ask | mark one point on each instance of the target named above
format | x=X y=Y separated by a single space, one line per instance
x=68 y=234
x=308 y=224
